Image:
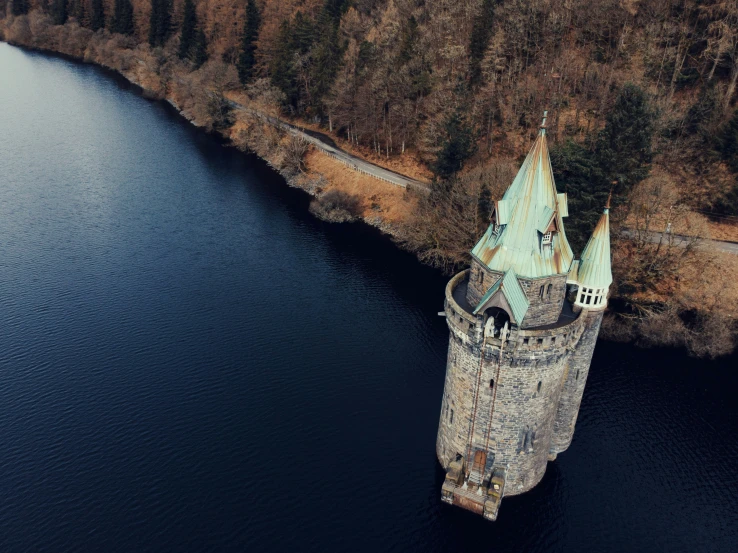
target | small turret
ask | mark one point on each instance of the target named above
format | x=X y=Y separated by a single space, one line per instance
x=592 y=273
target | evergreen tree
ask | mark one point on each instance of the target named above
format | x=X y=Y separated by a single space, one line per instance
x=160 y=22
x=621 y=154
x=19 y=7
x=726 y=143
x=326 y=56
x=59 y=12
x=123 y=18
x=200 y=49
x=283 y=75
x=481 y=33
x=623 y=146
x=97 y=19
x=192 y=42
x=409 y=39
x=577 y=173
x=457 y=146
x=247 y=57
x=189 y=28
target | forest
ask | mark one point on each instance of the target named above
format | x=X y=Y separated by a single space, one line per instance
x=641 y=97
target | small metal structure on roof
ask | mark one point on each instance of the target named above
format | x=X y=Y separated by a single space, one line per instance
x=514 y=295
x=518 y=237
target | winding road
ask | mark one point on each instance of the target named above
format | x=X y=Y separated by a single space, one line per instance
x=328 y=146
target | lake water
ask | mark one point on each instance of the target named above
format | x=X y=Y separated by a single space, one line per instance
x=190 y=362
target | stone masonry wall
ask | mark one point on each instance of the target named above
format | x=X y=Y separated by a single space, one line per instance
x=478 y=286
x=575 y=381
x=544 y=310
x=519 y=426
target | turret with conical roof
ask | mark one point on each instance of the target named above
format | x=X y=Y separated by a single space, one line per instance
x=593 y=273
x=527 y=229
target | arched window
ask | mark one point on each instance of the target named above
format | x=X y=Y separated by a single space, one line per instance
x=548 y=291
x=491 y=382
x=540 y=292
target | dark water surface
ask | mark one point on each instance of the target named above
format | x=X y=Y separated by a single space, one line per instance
x=191 y=362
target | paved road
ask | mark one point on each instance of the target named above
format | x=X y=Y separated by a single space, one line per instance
x=679 y=240
x=326 y=144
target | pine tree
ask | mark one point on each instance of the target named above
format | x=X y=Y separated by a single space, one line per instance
x=160 y=22
x=59 y=12
x=189 y=28
x=123 y=18
x=199 y=53
x=283 y=73
x=726 y=143
x=97 y=19
x=576 y=172
x=457 y=146
x=481 y=33
x=247 y=57
x=623 y=146
x=19 y=7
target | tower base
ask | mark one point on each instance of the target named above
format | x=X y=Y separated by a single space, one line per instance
x=483 y=498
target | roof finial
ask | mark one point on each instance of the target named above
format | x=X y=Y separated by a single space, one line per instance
x=609 y=196
x=543 y=123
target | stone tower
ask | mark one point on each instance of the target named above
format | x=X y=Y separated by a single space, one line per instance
x=523 y=324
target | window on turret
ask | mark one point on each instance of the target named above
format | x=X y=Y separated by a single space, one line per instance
x=540 y=292
x=548 y=291
x=481 y=276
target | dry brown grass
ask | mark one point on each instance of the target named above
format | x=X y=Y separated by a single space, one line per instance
x=378 y=198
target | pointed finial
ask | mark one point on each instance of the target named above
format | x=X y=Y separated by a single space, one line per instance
x=543 y=123
x=609 y=196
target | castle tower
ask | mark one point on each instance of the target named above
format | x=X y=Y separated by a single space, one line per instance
x=519 y=349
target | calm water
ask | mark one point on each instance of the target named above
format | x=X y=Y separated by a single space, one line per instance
x=191 y=362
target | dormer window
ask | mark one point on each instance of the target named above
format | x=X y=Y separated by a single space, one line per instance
x=547 y=237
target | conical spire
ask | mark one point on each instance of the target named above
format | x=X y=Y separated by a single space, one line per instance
x=528 y=233
x=594 y=267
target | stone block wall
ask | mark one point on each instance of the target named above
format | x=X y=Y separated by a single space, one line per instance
x=575 y=380
x=514 y=418
x=478 y=284
x=544 y=310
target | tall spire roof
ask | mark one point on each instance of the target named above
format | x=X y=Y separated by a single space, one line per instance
x=530 y=209
x=594 y=269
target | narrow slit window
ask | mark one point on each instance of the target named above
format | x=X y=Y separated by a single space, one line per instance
x=451 y=419
x=540 y=292
x=481 y=277
x=548 y=291
x=538 y=390
x=576 y=377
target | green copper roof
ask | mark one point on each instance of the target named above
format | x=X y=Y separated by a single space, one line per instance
x=514 y=294
x=527 y=210
x=594 y=268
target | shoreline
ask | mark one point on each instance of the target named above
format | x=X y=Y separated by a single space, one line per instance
x=249 y=135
